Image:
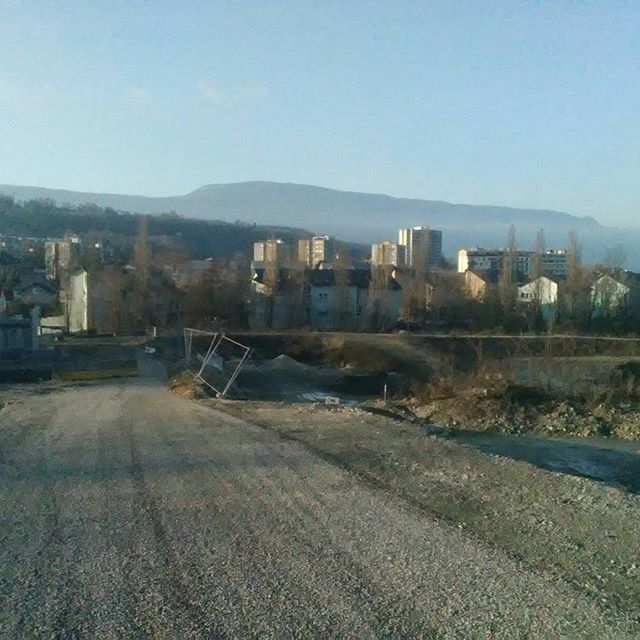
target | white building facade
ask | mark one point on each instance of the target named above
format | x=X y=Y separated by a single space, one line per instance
x=543 y=294
x=608 y=296
x=423 y=247
x=552 y=263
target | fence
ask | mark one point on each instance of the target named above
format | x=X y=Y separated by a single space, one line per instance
x=219 y=350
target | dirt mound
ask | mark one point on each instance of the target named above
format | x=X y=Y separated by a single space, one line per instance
x=185 y=385
x=285 y=362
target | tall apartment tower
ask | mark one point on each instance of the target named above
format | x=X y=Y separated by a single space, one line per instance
x=271 y=251
x=387 y=253
x=316 y=250
x=59 y=256
x=423 y=247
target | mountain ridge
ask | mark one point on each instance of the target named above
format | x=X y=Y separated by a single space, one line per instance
x=354 y=216
x=407 y=199
x=154 y=204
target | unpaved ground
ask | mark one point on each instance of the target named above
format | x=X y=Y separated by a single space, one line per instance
x=575 y=529
x=563 y=416
x=129 y=512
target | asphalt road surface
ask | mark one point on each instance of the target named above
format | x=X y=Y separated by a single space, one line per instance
x=126 y=512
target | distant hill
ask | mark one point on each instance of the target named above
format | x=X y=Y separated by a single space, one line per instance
x=201 y=238
x=358 y=217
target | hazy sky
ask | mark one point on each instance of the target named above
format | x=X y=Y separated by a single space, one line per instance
x=533 y=104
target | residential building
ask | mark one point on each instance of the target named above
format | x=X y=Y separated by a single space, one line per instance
x=35 y=290
x=273 y=251
x=388 y=253
x=77 y=306
x=325 y=299
x=552 y=263
x=423 y=247
x=107 y=300
x=305 y=252
x=19 y=333
x=20 y=246
x=476 y=284
x=542 y=293
x=278 y=297
x=316 y=250
x=609 y=296
x=95 y=302
x=349 y=305
x=555 y=263
x=60 y=255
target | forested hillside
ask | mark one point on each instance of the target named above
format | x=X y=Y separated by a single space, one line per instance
x=200 y=238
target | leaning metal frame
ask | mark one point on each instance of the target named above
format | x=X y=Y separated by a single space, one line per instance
x=216 y=340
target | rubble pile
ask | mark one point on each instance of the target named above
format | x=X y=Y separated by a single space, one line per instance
x=506 y=412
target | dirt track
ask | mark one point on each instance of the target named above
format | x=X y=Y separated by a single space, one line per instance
x=127 y=512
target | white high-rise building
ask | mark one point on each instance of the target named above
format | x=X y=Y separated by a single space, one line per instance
x=423 y=247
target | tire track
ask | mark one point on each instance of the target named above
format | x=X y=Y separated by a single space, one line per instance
x=146 y=504
x=307 y=524
x=128 y=595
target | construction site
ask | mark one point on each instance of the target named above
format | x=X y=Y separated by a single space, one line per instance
x=296 y=481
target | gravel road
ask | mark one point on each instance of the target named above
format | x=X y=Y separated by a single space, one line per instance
x=128 y=512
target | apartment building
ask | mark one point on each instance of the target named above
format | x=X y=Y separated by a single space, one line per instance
x=270 y=251
x=316 y=250
x=555 y=263
x=388 y=253
x=552 y=262
x=59 y=256
x=423 y=247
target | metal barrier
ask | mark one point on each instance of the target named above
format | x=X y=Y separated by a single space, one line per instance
x=219 y=342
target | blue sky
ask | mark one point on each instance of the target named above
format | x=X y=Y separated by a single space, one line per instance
x=533 y=104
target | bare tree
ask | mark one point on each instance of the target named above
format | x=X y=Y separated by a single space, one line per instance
x=415 y=281
x=272 y=284
x=299 y=289
x=142 y=261
x=112 y=285
x=539 y=249
x=379 y=298
x=576 y=297
x=508 y=276
x=219 y=296
x=341 y=288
